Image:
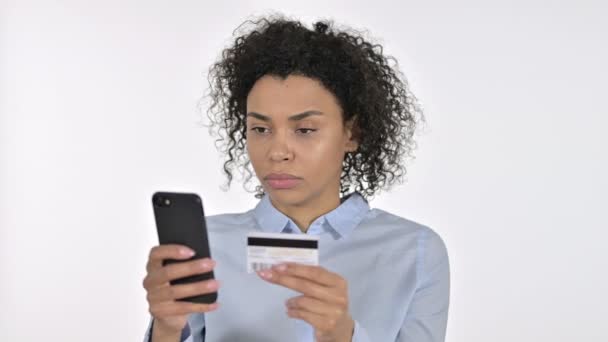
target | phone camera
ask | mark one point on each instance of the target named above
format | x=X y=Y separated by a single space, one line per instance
x=162 y=201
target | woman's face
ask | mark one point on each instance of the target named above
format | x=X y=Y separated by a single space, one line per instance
x=295 y=128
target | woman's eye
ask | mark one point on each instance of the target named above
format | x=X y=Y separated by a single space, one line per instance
x=308 y=130
x=259 y=129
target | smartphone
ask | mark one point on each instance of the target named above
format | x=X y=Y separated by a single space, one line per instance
x=180 y=219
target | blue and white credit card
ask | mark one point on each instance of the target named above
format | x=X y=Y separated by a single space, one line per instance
x=267 y=249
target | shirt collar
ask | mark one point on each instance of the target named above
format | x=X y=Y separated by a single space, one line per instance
x=342 y=220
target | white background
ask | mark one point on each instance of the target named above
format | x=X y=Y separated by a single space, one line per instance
x=98 y=110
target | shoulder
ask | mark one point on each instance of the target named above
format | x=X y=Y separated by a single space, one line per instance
x=429 y=244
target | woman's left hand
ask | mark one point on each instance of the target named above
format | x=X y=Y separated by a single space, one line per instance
x=324 y=300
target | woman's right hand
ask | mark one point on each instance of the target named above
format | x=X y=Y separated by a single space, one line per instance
x=169 y=314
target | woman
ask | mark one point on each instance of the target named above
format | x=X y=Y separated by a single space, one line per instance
x=316 y=113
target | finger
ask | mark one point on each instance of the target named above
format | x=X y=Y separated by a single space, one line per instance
x=178 y=270
x=167 y=309
x=311 y=272
x=301 y=285
x=322 y=324
x=173 y=292
x=169 y=251
x=315 y=305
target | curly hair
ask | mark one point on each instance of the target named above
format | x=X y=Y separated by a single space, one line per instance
x=354 y=70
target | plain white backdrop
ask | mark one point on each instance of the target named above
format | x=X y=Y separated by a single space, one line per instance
x=98 y=110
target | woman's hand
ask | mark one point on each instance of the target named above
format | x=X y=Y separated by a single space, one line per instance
x=324 y=303
x=170 y=315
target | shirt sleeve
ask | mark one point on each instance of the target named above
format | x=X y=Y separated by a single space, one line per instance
x=194 y=331
x=427 y=315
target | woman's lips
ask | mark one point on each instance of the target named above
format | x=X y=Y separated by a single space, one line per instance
x=283 y=183
x=282 y=180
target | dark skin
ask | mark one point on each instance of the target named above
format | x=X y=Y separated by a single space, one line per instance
x=301 y=133
x=280 y=139
x=170 y=315
x=323 y=303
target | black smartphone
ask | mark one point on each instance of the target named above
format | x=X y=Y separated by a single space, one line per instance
x=180 y=219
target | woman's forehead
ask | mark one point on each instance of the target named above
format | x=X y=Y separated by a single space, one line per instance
x=273 y=96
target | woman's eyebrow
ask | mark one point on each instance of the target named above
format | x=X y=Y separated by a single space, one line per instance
x=294 y=117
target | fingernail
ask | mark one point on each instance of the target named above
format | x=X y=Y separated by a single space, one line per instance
x=204 y=265
x=187 y=252
x=280 y=267
x=265 y=274
x=212 y=284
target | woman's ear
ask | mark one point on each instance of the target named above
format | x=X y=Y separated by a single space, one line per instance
x=352 y=134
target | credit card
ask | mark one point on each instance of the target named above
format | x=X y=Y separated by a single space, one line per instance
x=267 y=249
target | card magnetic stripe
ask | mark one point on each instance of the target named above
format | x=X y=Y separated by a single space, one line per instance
x=266 y=242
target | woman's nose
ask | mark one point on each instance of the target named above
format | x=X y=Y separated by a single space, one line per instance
x=280 y=148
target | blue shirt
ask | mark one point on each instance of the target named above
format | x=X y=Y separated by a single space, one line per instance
x=397 y=272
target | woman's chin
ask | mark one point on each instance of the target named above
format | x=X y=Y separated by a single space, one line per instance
x=290 y=197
